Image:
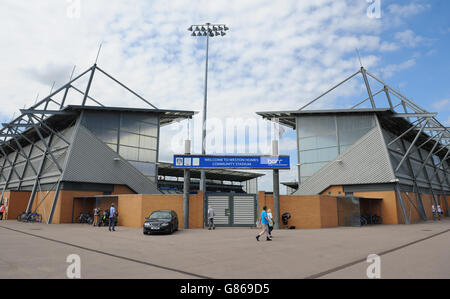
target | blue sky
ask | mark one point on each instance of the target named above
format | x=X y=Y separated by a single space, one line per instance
x=277 y=55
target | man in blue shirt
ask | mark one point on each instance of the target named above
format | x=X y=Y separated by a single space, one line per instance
x=112 y=217
x=265 y=225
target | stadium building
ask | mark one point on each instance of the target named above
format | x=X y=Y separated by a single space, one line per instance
x=390 y=158
x=56 y=152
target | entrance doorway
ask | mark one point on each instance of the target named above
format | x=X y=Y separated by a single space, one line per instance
x=86 y=205
x=357 y=211
x=231 y=209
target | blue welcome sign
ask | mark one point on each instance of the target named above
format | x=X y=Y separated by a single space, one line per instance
x=249 y=162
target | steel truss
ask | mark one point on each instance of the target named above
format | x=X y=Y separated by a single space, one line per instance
x=416 y=116
x=34 y=119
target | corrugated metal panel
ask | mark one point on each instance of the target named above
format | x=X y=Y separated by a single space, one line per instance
x=365 y=162
x=93 y=161
x=219 y=205
x=244 y=210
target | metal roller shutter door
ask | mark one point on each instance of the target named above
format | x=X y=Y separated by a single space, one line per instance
x=244 y=210
x=220 y=204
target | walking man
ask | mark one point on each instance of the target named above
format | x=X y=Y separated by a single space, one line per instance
x=211 y=215
x=433 y=210
x=265 y=225
x=112 y=217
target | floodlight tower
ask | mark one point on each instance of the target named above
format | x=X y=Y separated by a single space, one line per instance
x=208 y=30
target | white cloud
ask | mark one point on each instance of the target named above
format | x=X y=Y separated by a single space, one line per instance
x=391 y=69
x=442 y=105
x=408 y=10
x=410 y=39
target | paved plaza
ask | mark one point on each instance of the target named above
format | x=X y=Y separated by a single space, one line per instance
x=406 y=251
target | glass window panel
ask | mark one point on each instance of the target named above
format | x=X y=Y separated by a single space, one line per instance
x=148 y=129
x=129 y=153
x=318 y=155
x=317 y=142
x=105 y=135
x=353 y=127
x=147 y=155
x=355 y=122
x=307 y=143
x=326 y=141
x=129 y=139
x=350 y=137
x=130 y=123
x=316 y=125
x=148 y=169
x=147 y=142
x=108 y=120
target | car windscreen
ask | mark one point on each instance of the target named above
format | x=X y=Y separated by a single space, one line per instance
x=161 y=215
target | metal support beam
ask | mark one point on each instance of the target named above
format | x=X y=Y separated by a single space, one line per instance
x=53 y=112
x=421 y=210
x=328 y=91
x=9 y=177
x=375 y=94
x=388 y=97
x=27 y=164
x=55 y=200
x=47 y=146
x=433 y=194
x=369 y=91
x=89 y=97
x=51 y=130
x=124 y=86
x=411 y=146
x=428 y=157
x=403 y=115
x=186 y=187
x=402 y=204
x=404 y=133
x=9 y=161
x=89 y=85
x=36 y=182
x=276 y=188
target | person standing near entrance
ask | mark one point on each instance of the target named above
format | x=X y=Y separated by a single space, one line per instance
x=433 y=210
x=439 y=212
x=96 y=215
x=265 y=225
x=211 y=215
x=2 y=210
x=112 y=217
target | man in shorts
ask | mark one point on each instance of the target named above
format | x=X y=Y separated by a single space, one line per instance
x=265 y=225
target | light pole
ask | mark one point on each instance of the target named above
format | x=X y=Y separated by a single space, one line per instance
x=208 y=30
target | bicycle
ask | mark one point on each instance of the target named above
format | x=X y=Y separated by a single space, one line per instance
x=30 y=217
x=86 y=218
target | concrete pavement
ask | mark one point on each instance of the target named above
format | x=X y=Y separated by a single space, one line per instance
x=407 y=251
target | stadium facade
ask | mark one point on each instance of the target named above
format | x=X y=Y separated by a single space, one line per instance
x=397 y=152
